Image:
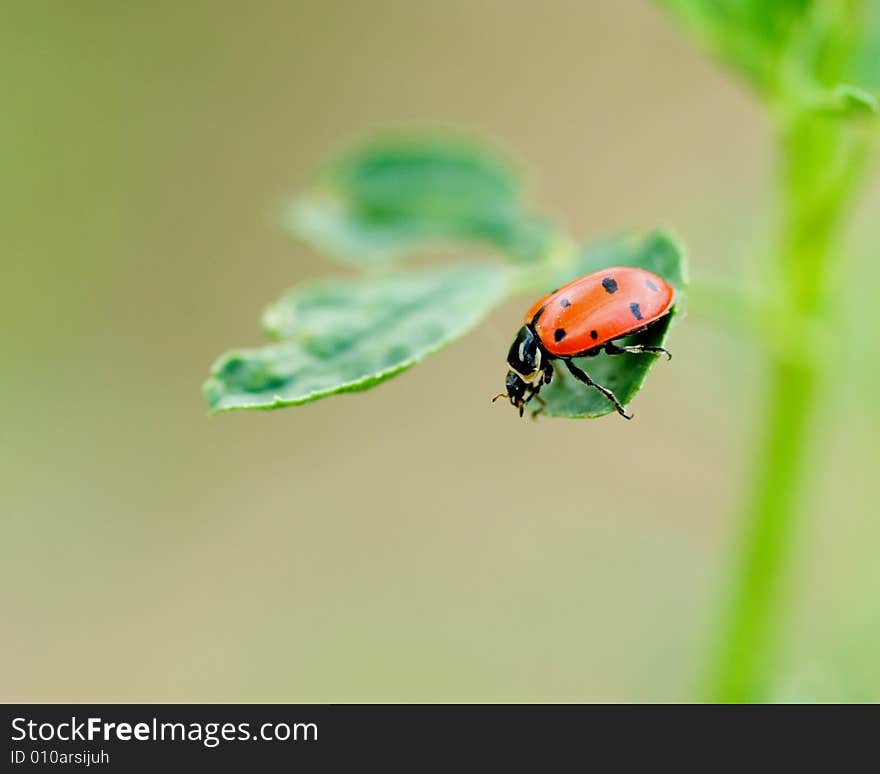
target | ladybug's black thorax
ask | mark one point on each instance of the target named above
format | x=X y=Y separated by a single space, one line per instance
x=526 y=355
x=530 y=367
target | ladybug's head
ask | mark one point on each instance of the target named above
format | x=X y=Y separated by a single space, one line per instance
x=526 y=375
x=516 y=390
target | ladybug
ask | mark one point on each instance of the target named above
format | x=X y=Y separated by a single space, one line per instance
x=582 y=319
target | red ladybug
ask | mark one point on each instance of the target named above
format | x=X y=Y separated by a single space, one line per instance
x=581 y=319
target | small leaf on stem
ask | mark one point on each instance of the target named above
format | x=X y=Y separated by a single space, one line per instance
x=622 y=374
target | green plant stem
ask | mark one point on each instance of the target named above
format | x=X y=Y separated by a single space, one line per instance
x=770 y=516
x=820 y=165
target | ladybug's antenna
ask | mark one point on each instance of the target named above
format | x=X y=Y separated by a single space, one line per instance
x=500 y=395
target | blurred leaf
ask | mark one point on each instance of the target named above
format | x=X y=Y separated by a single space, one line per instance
x=843 y=99
x=865 y=68
x=623 y=374
x=817 y=55
x=750 y=35
x=397 y=193
x=343 y=335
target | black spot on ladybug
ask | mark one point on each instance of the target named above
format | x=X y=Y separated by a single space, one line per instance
x=565 y=303
x=594 y=335
x=560 y=334
x=636 y=311
x=609 y=284
x=651 y=285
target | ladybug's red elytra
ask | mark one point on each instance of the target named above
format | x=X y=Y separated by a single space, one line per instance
x=582 y=319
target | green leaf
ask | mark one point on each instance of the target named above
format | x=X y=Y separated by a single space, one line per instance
x=806 y=54
x=865 y=67
x=623 y=374
x=342 y=335
x=750 y=35
x=400 y=192
x=843 y=99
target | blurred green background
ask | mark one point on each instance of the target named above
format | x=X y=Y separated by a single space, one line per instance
x=412 y=543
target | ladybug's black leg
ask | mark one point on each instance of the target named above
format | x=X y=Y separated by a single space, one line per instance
x=613 y=349
x=543 y=406
x=580 y=375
